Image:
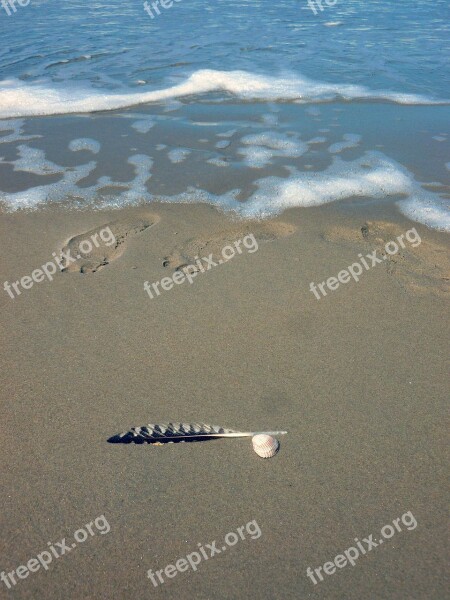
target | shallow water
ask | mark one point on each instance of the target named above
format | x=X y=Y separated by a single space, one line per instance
x=255 y=101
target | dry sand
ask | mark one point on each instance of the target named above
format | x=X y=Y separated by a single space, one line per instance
x=358 y=379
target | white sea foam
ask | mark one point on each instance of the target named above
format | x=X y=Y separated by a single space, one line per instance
x=32 y=160
x=134 y=191
x=143 y=126
x=205 y=123
x=317 y=140
x=262 y=147
x=276 y=141
x=85 y=144
x=350 y=140
x=428 y=210
x=218 y=162
x=137 y=189
x=178 y=155
x=19 y=99
x=372 y=176
x=256 y=156
x=53 y=192
x=16 y=127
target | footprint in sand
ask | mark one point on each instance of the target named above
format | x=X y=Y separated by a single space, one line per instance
x=422 y=269
x=94 y=249
x=185 y=254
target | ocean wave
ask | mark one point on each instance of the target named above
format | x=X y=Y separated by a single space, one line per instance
x=19 y=99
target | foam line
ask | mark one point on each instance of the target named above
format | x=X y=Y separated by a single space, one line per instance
x=19 y=99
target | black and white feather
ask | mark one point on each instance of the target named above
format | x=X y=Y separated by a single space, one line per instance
x=164 y=433
x=170 y=432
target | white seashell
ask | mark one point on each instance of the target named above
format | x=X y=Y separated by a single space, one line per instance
x=264 y=445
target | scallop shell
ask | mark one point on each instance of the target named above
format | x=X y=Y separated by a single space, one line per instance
x=264 y=445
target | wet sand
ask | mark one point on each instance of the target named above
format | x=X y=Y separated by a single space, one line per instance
x=358 y=379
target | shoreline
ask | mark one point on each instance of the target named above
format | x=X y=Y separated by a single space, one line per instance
x=250 y=158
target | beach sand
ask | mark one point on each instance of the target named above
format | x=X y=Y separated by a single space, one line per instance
x=357 y=378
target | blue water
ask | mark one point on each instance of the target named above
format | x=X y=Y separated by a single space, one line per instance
x=76 y=57
x=385 y=44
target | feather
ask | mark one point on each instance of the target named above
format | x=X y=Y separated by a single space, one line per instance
x=165 y=433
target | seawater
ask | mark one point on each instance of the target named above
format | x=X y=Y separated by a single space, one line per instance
x=252 y=105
